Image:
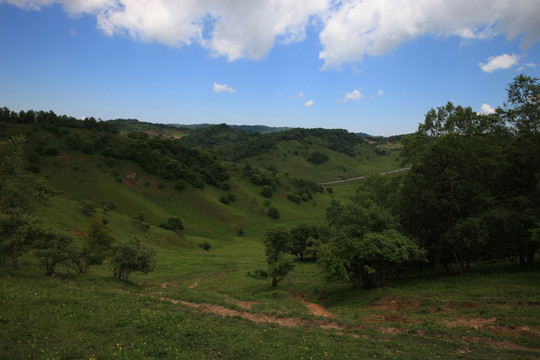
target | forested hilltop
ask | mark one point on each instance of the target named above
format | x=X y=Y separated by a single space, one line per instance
x=160 y=229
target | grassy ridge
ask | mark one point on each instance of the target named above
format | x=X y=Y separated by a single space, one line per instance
x=201 y=305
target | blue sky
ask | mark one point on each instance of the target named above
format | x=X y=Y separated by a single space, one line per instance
x=374 y=66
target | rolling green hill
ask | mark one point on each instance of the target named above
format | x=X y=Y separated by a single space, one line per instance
x=200 y=304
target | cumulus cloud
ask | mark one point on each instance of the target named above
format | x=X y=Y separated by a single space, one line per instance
x=219 y=88
x=374 y=27
x=503 y=61
x=348 y=29
x=381 y=92
x=309 y=103
x=486 y=109
x=354 y=95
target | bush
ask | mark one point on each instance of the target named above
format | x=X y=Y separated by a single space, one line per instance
x=206 y=246
x=267 y=191
x=174 y=224
x=180 y=185
x=240 y=232
x=273 y=213
x=132 y=256
x=231 y=197
x=224 y=200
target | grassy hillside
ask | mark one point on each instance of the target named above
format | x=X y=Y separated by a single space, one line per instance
x=200 y=304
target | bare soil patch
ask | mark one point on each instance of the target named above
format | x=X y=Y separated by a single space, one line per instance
x=472 y=323
x=194 y=285
x=393 y=303
x=314 y=309
x=76 y=232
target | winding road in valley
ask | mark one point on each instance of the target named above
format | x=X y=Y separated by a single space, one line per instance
x=361 y=178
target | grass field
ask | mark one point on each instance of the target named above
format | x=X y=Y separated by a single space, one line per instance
x=201 y=305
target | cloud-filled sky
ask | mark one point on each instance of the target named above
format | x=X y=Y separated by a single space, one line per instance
x=374 y=66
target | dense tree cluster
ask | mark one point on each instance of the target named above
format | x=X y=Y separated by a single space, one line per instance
x=473 y=189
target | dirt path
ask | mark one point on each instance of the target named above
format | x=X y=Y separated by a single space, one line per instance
x=348 y=330
x=361 y=178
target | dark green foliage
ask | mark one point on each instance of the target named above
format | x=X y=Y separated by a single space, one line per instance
x=19 y=191
x=174 y=224
x=225 y=200
x=294 y=198
x=303 y=238
x=108 y=205
x=180 y=185
x=53 y=248
x=277 y=245
x=240 y=232
x=205 y=246
x=370 y=260
x=132 y=256
x=473 y=189
x=267 y=191
x=318 y=157
x=365 y=247
x=329 y=190
x=231 y=197
x=273 y=213
x=88 y=208
x=93 y=249
x=51 y=151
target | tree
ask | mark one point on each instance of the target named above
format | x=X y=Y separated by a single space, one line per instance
x=447 y=186
x=365 y=247
x=273 y=213
x=53 y=248
x=132 y=256
x=19 y=191
x=277 y=245
x=302 y=237
x=18 y=231
x=267 y=191
x=94 y=249
x=370 y=260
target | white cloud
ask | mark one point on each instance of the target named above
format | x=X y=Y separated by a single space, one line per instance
x=486 y=109
x=219 y=88
x=300 y=95
x=503 y=61
x=348 y=29
x=381 y=92
x=354 y=95
x=309 y=103
x=373 y=27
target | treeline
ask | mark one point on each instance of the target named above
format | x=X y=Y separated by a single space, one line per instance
x=52 y=121
x=166 y=158
x=472 y=195
x=236 y=145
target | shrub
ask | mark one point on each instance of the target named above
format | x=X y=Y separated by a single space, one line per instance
x=231 y=197
x=206 y=246
x=173 y=223
x=267 y=191
x=180 y=185
x=132 y=256
x=224 y=200
x=273 y=213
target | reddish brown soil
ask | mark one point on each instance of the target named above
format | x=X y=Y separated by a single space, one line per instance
x=82 y=233
x=389 y=303
x=314 y=309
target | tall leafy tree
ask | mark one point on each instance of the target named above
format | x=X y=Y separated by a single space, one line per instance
x=19 y=191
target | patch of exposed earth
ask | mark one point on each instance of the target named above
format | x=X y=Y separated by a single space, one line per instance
x=314 y=309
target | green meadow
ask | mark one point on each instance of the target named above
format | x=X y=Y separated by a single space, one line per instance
x=200 y=304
